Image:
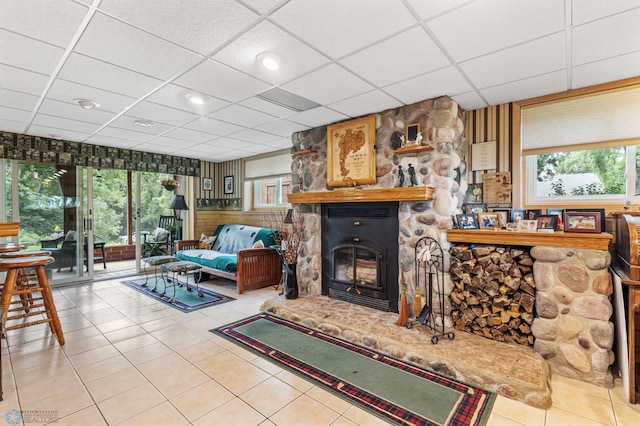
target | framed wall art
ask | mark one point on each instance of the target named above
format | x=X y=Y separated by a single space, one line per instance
x=547 y=222
x=351 y=152
x=228 y=184
x=411 y=136
x=467 y=221
x=489 y=220
x=582 y=222
x=207 y=184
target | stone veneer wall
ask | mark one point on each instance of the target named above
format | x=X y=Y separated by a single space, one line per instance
x=572 y=329
x=441 y=123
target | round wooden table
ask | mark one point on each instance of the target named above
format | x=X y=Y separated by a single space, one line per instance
x=9 y=247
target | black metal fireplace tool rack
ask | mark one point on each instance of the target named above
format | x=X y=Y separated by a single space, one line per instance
x=429 y=264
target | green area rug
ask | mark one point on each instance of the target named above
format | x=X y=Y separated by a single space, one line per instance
x=187 y=299
x=392 y=389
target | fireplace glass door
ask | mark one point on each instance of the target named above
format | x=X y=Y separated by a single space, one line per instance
x=357 y=268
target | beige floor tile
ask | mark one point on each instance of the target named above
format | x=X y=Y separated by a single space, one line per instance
x=200 y=351
x=135 y=343
x=332 y=401
x=91 y=356
x=200 y=400
x=305 y=410
x=115 y=384
x=238 y=376
x=584 y=405
x=148 y=353
x=103 y=368
x=173 y=382
x=158 y=367
x=161 y=415
x=296 y=381
x=48 y=387
x=270 y=396
x=234 y=412
x=343 y=421
x=131 y=403
x=361 y=417
x=66 y=400
x=125 y=333
x=118 y=324
x=88 y=416
x=518 y=412
x=627 y=413
x=267 y=365
x=59 y=366
x=556 y=416
x=498 y=420
x=78 y=346
x=568 y=385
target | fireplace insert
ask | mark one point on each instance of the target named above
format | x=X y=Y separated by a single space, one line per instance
x=360 y=253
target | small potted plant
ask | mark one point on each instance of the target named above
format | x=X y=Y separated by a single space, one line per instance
x=170 y=184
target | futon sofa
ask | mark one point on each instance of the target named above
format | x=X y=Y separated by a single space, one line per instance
x=237 y=252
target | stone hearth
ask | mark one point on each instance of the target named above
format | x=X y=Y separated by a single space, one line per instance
x=510 y=370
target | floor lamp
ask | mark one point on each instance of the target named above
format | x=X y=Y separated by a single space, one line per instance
x=178 y=204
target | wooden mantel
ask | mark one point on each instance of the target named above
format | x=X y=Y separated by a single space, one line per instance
x=354 y=195
x=531 y=239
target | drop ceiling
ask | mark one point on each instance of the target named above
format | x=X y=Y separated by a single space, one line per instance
x=140 y=59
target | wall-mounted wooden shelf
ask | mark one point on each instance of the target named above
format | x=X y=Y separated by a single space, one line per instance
x=411 y=149
x=530 y=239
x=303 y=152
x=354 y=195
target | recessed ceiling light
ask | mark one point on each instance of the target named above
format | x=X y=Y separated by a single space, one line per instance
x=271 y=61
x=196 y=98
x=143 y=123
x=86 y=103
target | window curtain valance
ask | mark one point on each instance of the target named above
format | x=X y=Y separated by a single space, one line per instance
x=36 y=149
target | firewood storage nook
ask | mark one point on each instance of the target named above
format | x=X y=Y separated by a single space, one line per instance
x=548 y=290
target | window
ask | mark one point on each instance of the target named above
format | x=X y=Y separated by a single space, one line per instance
x=582 y=148
x=271 y=192
x=268 y=178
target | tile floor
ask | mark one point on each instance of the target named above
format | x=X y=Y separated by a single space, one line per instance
x=129 y=360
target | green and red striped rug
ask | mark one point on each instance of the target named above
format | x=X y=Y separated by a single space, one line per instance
x=399 y=392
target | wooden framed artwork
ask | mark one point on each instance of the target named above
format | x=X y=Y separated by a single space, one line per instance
x=505 y=215
x=547 y=222
x=582 y=222
x=528 y=225
x=490 y=220
x=467 y=221
x=603 y=216
x=517 y=215
x=473 y=208
x=207 y=184
x=560 y=214
x=411 y=135
x=228 y=184
x=351 y=152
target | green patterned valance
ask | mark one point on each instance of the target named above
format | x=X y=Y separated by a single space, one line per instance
x=37 y=149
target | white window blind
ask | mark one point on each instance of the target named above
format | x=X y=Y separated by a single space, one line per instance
x=274 y=165
x=612 y=117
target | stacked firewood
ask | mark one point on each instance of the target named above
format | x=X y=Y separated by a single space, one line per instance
x=494 y=292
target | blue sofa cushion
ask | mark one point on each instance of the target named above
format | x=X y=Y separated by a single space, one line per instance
x=210 y=259
x=232 y=238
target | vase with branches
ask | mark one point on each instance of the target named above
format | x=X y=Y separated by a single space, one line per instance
x=288 y=227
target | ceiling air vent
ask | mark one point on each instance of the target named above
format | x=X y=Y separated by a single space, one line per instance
x=287 y=99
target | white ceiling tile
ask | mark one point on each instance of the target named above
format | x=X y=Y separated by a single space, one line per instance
x=267 y=107
x=261 y=6
x=216 y=127
x=54 y=22
x=13 y=99
x=257 y=149
x=485 y=26
x=254 y=136
x=66 y=91
x=156 y=148
x=133 y=136
x=283 y=128
x=266 y=37
x=100 y=139
x=173 y=142
x=65 y=134
x=115 y=42
x=28 y=53
x=74 y=112
x=14 y=114
x=127 y=122
x=447 y=81
x=470 y=101
x=282 y=143
x=208 y=26
x=176 y=97
x=219 y=80
x=428 y=10
x=65 y=124
x=588 y=10
x=529 y=88
x=189 y=135
x=242 y=116
x=161 y=113
x=337 y=27
x=539 y=56
x=91 y=72
x=228 y=142
x=328 y=84
x=319 y=116
x=367 y=103
x=12 y=126
x=606 y=38
x=22 y=80
x=406 y=55
x=612 y=69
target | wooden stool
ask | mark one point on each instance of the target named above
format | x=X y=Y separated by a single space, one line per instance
x=25 y=277
x=12 y=287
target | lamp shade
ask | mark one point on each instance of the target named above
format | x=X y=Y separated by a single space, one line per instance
x=178 y=203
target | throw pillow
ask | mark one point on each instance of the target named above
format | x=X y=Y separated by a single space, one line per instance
x=205 y=243
x=258 y=244
x=161 y=234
